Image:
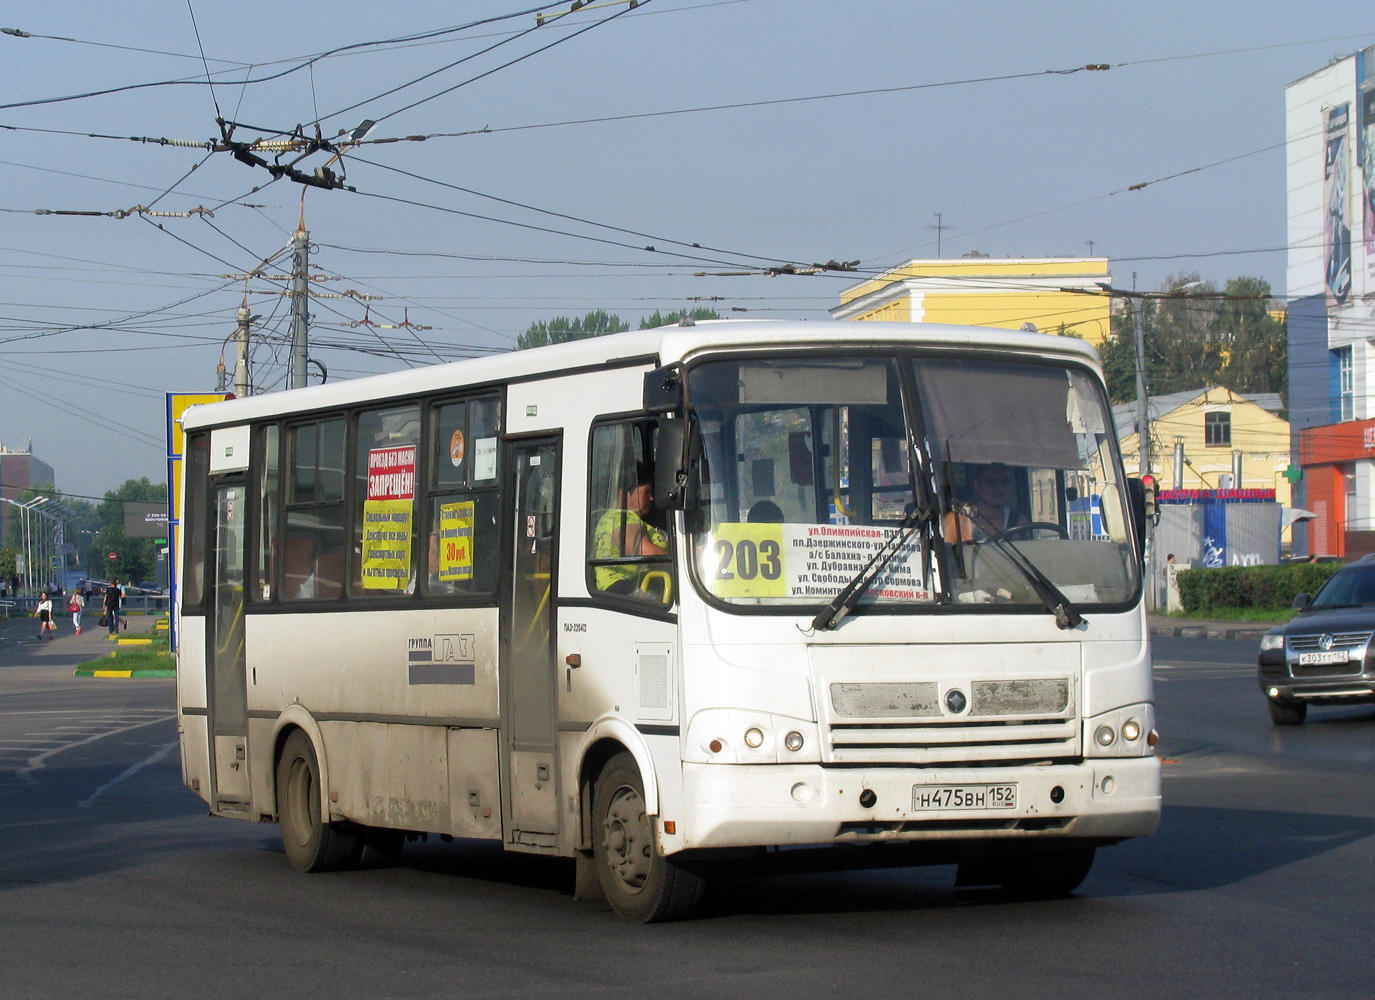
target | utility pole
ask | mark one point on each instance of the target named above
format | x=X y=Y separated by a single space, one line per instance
x=241 y=337
x=1143 y=420
x=300 y=305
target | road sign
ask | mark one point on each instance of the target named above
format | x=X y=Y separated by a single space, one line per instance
x=114 y=556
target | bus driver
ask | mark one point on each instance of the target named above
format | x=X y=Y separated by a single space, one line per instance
x=623 y=533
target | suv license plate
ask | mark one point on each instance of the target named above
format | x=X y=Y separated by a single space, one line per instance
x=933 y=797
x=1330 y=656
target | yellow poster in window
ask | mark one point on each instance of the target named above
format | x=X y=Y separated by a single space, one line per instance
x=456 y=541
x=387 y=544
x=745 y=560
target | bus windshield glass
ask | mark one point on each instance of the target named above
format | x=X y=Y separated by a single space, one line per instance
x=810 y=467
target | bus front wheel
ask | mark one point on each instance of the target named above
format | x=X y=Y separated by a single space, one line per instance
x=1043 y=875
x=312 y=844
x=641 y=884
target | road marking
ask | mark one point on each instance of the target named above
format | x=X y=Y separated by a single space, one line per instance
x=128 y=772
x=38 y=761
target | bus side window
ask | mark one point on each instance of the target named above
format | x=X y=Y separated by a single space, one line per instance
x=383 y=505
x=461 y=555
x=268 y=508
x=313 y=546
x=194 y=519
x=628 y=547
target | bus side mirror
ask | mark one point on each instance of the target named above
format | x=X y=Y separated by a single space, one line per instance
x=663 y=390
x=1136 y=502
x=671 y=451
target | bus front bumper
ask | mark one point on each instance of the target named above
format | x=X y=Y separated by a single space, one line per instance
x=742 y=805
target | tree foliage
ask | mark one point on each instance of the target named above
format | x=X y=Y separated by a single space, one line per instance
x=1196 y=337
x=561 y=329
x=657 y=319
x=134 y=557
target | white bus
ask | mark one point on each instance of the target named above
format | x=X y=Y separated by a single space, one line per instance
x=725 y=594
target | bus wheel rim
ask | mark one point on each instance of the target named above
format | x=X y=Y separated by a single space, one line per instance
x=626 y=839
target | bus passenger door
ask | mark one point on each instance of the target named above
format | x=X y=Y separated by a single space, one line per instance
x=228 y=701
x=528 y=647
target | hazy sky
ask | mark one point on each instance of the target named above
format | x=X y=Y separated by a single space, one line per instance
x=1025 y=166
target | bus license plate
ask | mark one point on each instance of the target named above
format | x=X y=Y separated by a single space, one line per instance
x=1330 y=656
x=931 y=797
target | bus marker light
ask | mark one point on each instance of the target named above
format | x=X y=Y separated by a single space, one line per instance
x=1131 y=730
x=670 y=826
x=1153 y=738
x=715 y=746
x=754 y=739
x=793 y=741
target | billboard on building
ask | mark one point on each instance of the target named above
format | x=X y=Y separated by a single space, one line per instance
x=1365 y=144
x=1337 y=198
x=145 y=520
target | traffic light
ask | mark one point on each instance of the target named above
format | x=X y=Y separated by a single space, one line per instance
x=1149 y=501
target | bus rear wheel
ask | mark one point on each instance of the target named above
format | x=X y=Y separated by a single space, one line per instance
x=641 y=884
x=311 y=843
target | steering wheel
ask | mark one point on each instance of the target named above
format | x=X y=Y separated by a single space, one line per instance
x=1031 y=526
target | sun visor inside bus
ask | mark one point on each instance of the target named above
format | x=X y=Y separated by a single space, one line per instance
x=862 y=383
x=990 y=412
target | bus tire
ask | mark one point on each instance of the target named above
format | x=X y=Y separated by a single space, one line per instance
x=1287 y=713
x=311 y=843
x=1046 y=874
x=641 y=884
x=381 y=847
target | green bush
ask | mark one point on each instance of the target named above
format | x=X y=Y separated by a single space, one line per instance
x=1265 y=588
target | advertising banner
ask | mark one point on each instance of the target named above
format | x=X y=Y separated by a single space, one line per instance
x=1365 y=143
x=1337 y=198
x=388 y=513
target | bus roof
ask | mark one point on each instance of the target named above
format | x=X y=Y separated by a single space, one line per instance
x=662 y=346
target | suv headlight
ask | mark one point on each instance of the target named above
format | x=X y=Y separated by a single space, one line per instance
x=1271 y=640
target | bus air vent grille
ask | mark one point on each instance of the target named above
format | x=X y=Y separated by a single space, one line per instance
x=908 y=700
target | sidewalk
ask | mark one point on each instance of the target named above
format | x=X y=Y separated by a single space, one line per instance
x=19 y=642
x=1205 y=628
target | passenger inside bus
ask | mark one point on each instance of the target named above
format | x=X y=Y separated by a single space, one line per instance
x=994 y=505
x=623 y=532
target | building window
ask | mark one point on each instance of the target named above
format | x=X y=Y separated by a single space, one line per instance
x=1347 y=371
x=1217 y=430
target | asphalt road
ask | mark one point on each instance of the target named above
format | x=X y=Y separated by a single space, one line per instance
x=114 y=882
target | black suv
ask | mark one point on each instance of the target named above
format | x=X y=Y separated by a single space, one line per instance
x=1324 y=655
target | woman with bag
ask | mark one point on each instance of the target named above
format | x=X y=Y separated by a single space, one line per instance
x=78 y=602
x=44 y=614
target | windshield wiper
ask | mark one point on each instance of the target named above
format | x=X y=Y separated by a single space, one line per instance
x=1066 y=615
x=834 y=613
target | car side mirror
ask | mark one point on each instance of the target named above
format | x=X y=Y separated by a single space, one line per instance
x=1300 y=602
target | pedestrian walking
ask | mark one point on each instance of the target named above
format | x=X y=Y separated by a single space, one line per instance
x=76 y=607
x=44 y=614
x=112 y=596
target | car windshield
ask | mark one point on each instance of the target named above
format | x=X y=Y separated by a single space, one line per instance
x=1349 y=587
x=809 y=466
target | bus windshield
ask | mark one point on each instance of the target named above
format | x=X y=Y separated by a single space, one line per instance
x=811 y=466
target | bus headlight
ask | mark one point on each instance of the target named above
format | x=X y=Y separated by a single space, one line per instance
x=754 y=738
x=793 y=741
x=1105 y=736
x=1131 y=730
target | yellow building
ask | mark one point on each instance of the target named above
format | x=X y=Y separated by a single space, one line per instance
x=1047 y=292
x=1212 y=424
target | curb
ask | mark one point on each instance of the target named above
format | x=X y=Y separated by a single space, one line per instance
x=89 y=672
x=1208 y=632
